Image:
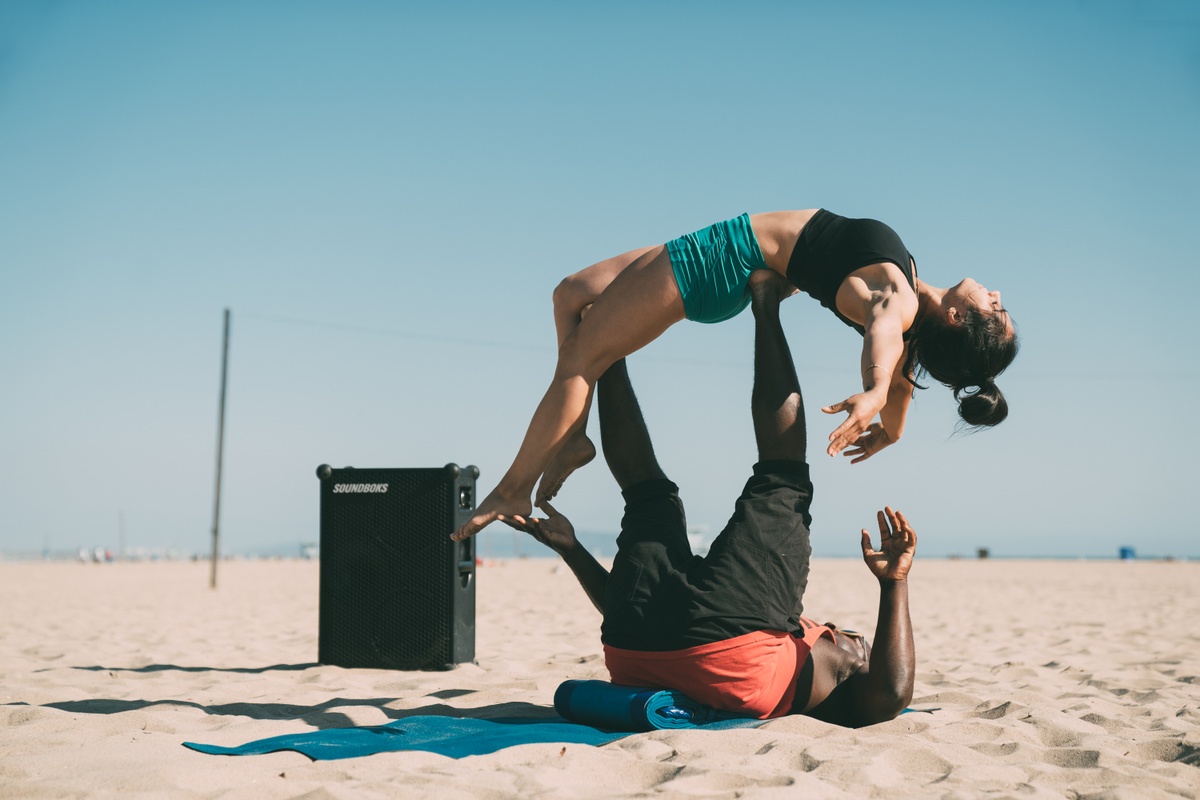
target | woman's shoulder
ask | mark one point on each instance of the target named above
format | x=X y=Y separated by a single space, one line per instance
x=886 y=276
x=874 y=284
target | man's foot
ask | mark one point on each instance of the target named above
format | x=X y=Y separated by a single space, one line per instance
x=574 y=453
x=768 y=286
x=487 y=512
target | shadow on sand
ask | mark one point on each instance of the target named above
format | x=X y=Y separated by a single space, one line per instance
x=321 y=715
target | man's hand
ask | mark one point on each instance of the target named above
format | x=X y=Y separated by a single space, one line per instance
x=897 y=544
x=872 y=440
x=862 y=408
x=554 y=530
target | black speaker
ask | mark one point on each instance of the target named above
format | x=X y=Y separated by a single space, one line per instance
x=396 y=593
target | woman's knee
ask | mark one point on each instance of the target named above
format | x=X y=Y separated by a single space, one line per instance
x=571 y=295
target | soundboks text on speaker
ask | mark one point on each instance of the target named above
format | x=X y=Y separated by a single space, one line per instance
x=360 y=488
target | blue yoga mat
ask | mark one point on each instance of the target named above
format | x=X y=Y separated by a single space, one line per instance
x=449 y=736
x=595 y=713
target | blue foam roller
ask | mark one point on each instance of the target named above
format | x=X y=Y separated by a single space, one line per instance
x=614 y=707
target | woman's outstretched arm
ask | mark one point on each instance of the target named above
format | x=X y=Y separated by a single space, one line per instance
x=879 y=298
x=882 y=354
x=890 y=427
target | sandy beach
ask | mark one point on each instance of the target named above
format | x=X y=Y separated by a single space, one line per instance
x=1049 y=679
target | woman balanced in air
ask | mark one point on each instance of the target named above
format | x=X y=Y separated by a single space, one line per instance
x=858 y=268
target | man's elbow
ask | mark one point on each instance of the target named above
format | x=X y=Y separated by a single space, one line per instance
x=894 y=706
x=886 y=705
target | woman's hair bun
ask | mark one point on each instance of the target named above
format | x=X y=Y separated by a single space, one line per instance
x=985 y=406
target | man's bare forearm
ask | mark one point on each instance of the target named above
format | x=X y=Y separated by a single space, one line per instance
x=591 y=576
x=893 y=658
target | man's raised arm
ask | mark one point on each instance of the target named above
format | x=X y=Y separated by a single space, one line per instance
x=887 y=688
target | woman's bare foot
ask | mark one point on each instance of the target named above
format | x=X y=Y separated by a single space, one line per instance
x=574 y=453
x=487 y=512
x=768 y=286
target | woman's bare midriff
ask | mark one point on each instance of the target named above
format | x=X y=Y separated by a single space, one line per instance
x=777 y=232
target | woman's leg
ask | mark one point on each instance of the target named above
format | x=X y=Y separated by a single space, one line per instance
x=571 y=297
x=576 y=292
x=640 y=303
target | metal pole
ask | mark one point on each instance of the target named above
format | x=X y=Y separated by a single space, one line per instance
x=212 y=580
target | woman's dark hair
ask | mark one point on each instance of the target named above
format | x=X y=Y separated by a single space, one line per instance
x=965 y=356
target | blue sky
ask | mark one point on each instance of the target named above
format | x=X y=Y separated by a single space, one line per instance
x=385 y=195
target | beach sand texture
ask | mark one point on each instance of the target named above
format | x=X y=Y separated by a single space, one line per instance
x=1051 y=679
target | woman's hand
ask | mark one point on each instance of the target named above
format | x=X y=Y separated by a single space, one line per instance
x=872 y=440
x=555 y=531
x=862 y=408
x=897 y=544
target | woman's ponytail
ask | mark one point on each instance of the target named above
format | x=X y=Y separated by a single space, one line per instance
x=984 y=407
